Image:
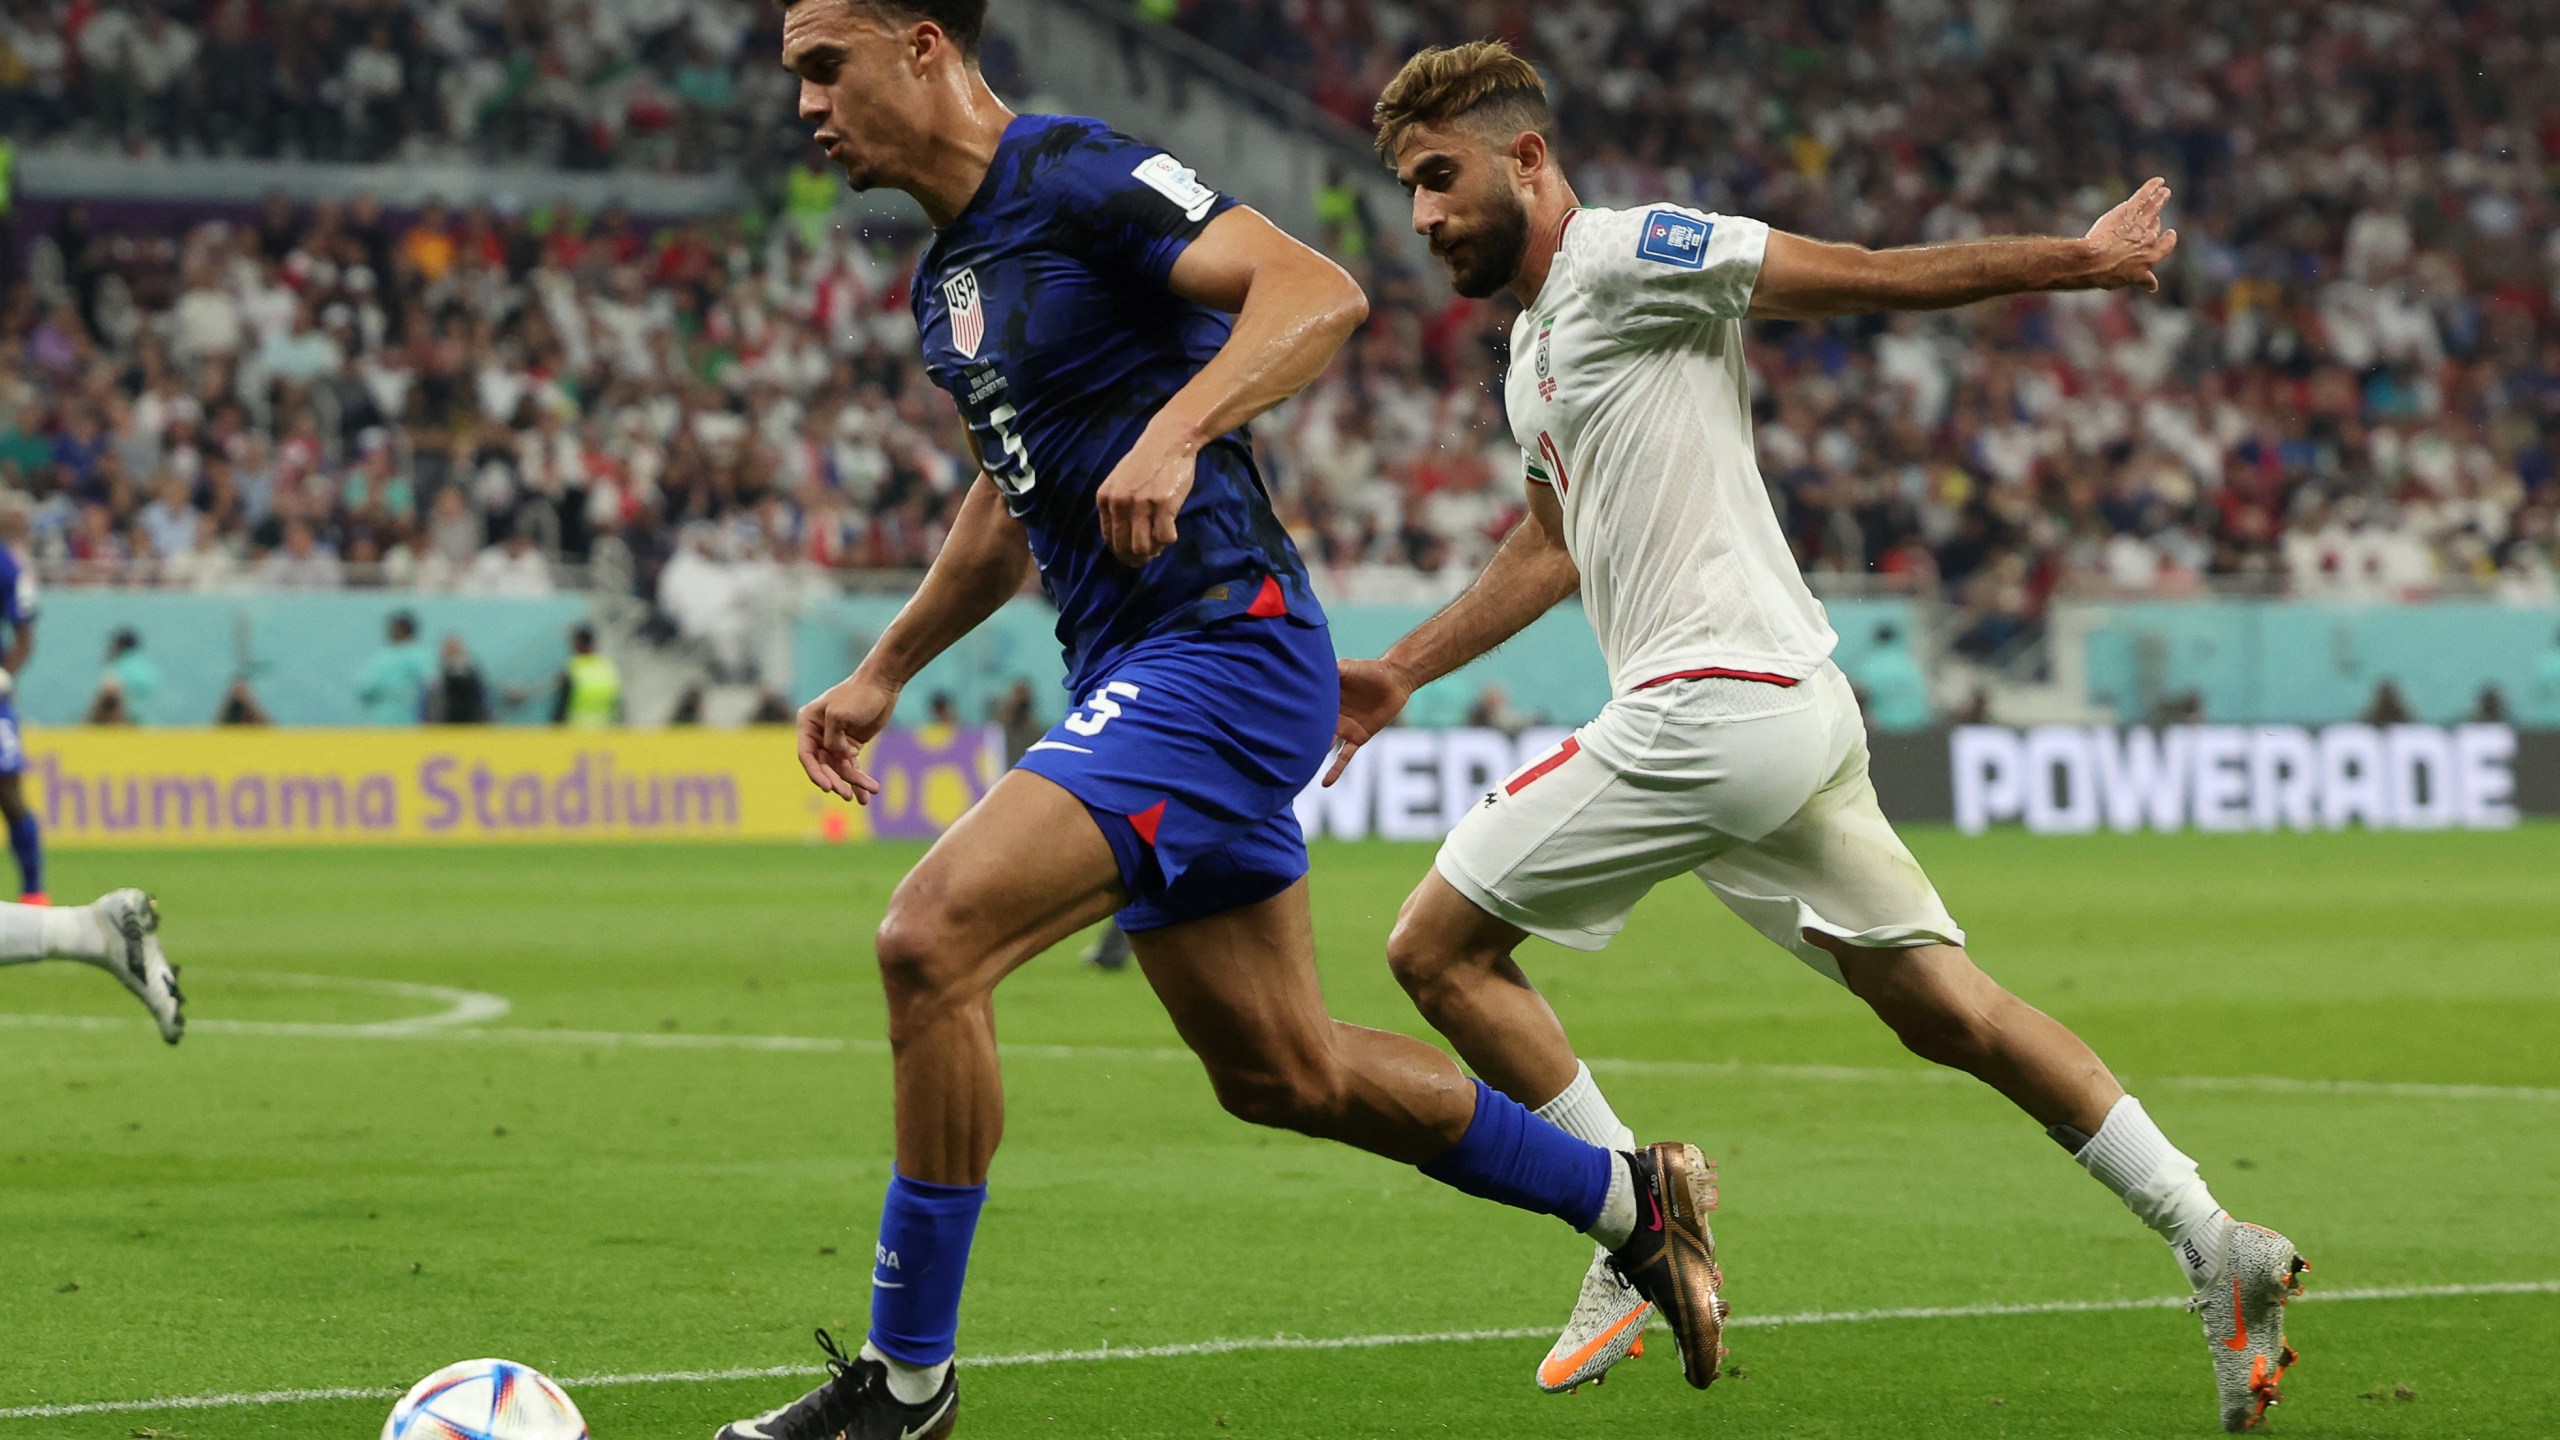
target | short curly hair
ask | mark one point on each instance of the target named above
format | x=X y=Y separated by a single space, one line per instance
x=1483 y=83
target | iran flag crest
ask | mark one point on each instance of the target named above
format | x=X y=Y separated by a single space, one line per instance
x=968 y=317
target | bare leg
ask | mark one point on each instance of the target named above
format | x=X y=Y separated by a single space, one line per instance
x=1241 y=987
x=1945 y=1009
x=1455 y=961
x=1024 y=869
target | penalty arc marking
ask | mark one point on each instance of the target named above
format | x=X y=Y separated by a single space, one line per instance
x=1282 y=1343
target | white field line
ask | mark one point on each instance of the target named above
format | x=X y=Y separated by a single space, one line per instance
x=447 y=1027
x=1278 y=1343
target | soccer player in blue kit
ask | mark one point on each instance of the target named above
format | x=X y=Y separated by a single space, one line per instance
x=18 y=612
x=1107 y=324
x=119 y=931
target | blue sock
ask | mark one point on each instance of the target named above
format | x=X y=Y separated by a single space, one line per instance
x=1509 y=1154
x=27 y=843
x=917 y=1270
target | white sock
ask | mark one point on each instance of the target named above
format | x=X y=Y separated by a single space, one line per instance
x=1581 y=1111
x=2159 y=1184
x=72 y=932
x=1617 y=1222
x=21 y=933
x=49 y=932
x=909 y=1384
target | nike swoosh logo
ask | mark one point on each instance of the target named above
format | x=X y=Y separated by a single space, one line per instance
x=1554 y=1371
x=2240 y=1317
x=1059 y=745
x=917 y=1430
x=888 y=1284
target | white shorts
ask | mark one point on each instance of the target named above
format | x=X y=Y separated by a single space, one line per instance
x=1774 y=812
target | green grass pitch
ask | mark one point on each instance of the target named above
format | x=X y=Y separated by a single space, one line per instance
x=618 y=1177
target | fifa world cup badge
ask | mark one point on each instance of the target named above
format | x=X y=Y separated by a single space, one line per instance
x=1546 y=377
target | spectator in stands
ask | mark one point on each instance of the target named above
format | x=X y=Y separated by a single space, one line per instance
x=460 y=694
x=302 y=561
x=2349 y=387
x=170 y=522
x=512 y=568
x=392 y=686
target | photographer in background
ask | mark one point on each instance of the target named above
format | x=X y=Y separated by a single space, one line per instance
x=460 y=693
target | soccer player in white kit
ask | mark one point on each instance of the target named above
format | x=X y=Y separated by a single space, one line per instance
x=1732 y=748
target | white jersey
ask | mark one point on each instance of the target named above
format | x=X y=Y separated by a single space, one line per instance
x=1628 y=397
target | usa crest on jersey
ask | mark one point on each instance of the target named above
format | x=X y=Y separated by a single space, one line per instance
x=968 y=317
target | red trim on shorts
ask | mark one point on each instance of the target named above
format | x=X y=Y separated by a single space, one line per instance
x=1570 y=748
x=1718 y=672
x=1146 y=821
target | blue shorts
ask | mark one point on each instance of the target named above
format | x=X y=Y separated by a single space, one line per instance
x=1190 y=750
x=13 y=749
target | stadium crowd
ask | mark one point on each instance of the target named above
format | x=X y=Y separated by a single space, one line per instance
x=2348 y=387
x=667 y=85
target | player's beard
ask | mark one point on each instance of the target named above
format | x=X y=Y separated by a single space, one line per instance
x=1489 y=259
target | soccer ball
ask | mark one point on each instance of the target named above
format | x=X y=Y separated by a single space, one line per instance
x=485 y=1400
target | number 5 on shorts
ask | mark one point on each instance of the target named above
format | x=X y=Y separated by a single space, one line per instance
x=1104 y=708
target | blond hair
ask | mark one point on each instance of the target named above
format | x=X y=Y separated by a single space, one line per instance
x=1483 y=84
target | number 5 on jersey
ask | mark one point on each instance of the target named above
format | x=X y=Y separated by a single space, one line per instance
x=1010 y=466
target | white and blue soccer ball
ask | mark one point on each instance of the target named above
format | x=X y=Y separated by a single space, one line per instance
x=485 y=1400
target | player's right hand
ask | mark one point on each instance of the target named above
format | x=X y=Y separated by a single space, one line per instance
x=2128 y=241
x=833 y=730
x=1374 y=693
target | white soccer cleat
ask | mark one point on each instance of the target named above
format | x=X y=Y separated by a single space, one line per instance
x=1607 y=1327
x=131 y=920
x=2242 y=1305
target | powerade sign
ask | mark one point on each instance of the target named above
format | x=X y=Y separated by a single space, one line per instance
x=2075 y=779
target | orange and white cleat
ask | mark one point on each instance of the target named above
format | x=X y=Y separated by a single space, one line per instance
x=1607 y=1327
x=2242 y=1305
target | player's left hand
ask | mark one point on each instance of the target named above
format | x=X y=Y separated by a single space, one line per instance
x=1143 y=494
x=2127 y=241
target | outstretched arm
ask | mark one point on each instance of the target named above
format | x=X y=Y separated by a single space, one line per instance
x=982 y=564
x=1293 y=310
x=1524 y=580
x=1803 y=279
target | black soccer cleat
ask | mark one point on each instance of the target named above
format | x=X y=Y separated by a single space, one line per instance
x=854 y=1404
x=1671 y=1257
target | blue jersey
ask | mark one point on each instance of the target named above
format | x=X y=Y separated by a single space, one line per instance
x=17 y=609
x=1044 y=311
x=17 y=590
